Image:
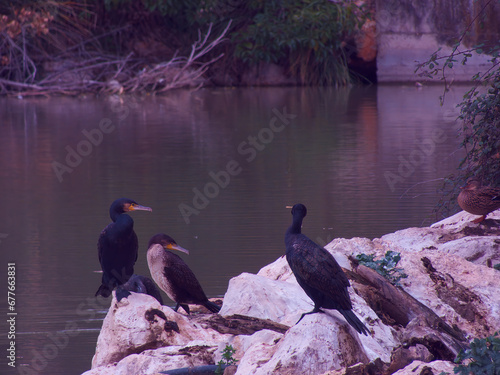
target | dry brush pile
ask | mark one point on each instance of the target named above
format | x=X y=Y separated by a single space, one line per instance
x=52 y=49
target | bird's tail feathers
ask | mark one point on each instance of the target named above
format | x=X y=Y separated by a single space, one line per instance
x=213 y=307
x=354 y=321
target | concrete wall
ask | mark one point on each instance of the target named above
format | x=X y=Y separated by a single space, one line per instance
x=409 y=32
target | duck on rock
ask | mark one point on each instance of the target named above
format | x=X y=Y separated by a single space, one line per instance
x=479 y=200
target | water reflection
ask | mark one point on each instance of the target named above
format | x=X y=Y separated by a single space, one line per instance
x=334 y=156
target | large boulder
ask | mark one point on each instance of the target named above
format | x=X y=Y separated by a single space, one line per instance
x=315 y=345
x=426 y=368
x=137 y=324
x=261 y=297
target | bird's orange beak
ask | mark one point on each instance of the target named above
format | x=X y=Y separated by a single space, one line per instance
x=172 y=246
x=138 y=207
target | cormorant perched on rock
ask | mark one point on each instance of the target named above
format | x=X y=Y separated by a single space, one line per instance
x=174 y=276
x=118 y=246
x=138 y=284
x=318 y=273
x=479 y=200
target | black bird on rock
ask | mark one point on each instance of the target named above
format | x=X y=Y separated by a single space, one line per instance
x=318 y=273
x=138 y=284
x=118 y=246
x=174 y=276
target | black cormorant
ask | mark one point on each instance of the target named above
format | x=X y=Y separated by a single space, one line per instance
x=138 y=284
x=174 y=276
x=117 y=246
x=318 y=273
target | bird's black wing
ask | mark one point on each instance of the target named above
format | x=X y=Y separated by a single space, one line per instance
x=138 y=284
x=151 y=288
x=319 y=270
x=101 y=242
x=117 y=252
x=184 y=283
x=135 y=241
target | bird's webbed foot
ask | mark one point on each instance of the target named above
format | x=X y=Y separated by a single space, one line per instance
x=479 y=219
x=313 y=311
x=184 y=306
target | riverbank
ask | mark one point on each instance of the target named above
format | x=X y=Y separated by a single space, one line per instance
x=55 y=48
x=449 y=297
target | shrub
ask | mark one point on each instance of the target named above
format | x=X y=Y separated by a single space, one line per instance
x=306 y=36
x=227 y=358
x=387 y=266
x=483 y=357
x=479 y=109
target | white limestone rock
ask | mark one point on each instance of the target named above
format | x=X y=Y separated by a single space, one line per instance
x=167 y=358
x=126 y=330
x=461 y=220
x=437 y=367
x=317 y=344
x=101 y=370
x=285 y=301
x=478 y=250
x=260 y=297
x=254 y=351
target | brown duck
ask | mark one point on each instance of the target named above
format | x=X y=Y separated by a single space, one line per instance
x=479 y=200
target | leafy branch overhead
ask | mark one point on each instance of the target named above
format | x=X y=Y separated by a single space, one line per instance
x=480 y=115
x=479 y=109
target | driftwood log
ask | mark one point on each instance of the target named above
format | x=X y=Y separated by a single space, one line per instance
x=425 y=336
x=238 y=324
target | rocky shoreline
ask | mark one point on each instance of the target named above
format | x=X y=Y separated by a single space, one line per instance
x=450 y=297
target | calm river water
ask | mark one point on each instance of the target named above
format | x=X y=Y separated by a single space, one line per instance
x=218 y=168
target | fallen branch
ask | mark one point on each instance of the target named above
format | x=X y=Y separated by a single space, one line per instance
x=419 y=324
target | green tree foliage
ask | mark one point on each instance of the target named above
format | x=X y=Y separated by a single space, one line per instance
x=307 y=36
x=181 y=16
x=386 y=266
x=227 y=359
x=480 y=113
x=483 y=357
x=310 y=39
x=479 y=110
